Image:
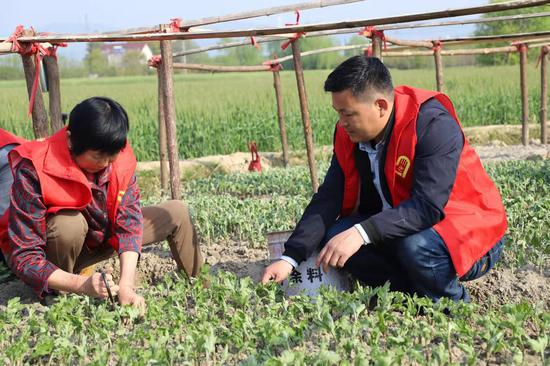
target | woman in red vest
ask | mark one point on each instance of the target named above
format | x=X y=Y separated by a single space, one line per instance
x=75 y=201
x=405 y=199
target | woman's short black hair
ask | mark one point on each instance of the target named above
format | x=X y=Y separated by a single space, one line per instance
x=362 y=75
x=98 y=123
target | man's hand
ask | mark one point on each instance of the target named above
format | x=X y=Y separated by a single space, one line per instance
x=127 y=296
x=277 y=271
x=95 y=287
x=338 y=249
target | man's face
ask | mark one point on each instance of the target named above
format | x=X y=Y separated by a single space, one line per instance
x=363 y=120
x=93 y=161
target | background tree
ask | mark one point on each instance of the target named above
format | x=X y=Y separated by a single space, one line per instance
x=511 y=26
x=319 y=61
x=95 y=61
x=239 y=56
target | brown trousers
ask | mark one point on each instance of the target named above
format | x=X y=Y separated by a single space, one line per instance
x=170 y=221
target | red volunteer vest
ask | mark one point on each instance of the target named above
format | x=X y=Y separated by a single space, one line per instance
x=7 y=138
x=475 y=218
x=63 y=184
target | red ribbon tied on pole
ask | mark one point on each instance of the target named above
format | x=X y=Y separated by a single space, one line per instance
x=543 y=53
x=254 y=42
x=296 y=36
x=39 y=52
x=370 y=31
x=255 y=164
x=520 y=46
x=274 y=65
x=437 y=46
x=155 y=61
x=175 y=24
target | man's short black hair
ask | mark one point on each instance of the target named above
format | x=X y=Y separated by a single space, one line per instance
x=362 y=75
x=98 y=123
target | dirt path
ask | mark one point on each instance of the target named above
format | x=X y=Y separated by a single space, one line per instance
x=238 y=162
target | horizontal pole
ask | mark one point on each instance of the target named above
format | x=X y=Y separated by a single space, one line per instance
x=477 y=51
x=357 y=30
x=523 y=37
x=291 y=29
x=217 y=68
x=430 y=24
x=223 y=46
x=464 y=22
x=264 y=12
x=185 y=25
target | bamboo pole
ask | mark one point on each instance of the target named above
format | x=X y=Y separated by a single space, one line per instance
x=186 y=24
x=166 y=73
x=54 y=92
x=223 y=46
x=280 y=60
x=163 y=148
x=377 y=46
x=280 y=115
x=265 y=12
x=522 y=48
x=292 y=29
x=305 y=114
x=263 y=32
x=461 y=52
x=465 y=22
x=392 y=40
x=216 y=68
x=416 y=25
x=5 y=47
x=39 y=115
x=408 y=43
x=544 y=94
x=438 y=66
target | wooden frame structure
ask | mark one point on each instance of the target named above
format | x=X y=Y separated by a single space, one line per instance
x=178 y=30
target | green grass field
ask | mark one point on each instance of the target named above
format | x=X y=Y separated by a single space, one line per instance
x=220 y=113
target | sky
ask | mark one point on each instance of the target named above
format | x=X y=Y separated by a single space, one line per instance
x=81 y=16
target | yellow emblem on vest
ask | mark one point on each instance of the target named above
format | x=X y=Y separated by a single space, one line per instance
x=119 y=196
x=402 y=166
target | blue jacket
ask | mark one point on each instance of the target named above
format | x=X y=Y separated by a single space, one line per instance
x=438 y=149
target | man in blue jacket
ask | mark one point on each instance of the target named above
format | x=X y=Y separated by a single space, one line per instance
x=405 y=199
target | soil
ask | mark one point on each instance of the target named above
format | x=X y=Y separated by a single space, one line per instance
x=500 y=286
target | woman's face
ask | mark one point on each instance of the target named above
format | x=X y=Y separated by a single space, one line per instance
x=93 y=161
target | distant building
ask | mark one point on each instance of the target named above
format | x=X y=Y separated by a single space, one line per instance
x=115 y=51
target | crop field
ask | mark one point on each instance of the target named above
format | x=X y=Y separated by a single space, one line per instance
x=235 y=320
x=225 y=316
x=220 y=113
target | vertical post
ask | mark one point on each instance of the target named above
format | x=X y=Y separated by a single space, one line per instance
x=163 y=149
x=544 y=94
x=438 y=66
x=39 y=116
x=54 y=92
x=376 y=46
x=524 y=96
x=280 y=115
x=166 y=71
x=305 y=113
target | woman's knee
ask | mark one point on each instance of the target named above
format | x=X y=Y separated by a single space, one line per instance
x=67 y=227
x=178 y=211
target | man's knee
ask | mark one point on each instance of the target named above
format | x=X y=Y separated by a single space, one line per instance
x=424 y=249
x=67 y=228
